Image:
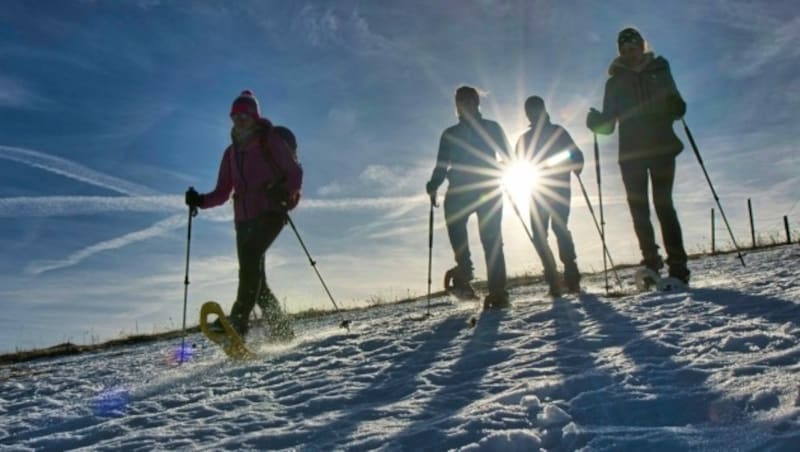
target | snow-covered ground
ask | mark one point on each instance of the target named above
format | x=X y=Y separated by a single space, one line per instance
x=712 y=368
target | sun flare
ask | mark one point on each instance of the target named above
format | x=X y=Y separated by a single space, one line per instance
x=519 y=180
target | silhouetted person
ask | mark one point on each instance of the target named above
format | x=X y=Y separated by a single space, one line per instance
x=555 y=155
x=642 y=97
x=468 y=158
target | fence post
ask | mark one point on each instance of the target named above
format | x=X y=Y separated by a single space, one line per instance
x=752 y=229
x=786 y=226
x=713 y=234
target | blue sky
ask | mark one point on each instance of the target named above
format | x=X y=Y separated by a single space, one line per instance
x=109 y=110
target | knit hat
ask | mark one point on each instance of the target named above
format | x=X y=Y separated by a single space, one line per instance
x=246 y=103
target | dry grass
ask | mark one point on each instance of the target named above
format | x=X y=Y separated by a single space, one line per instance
x=69 y=348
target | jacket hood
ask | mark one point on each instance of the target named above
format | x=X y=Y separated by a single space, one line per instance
x=650 y=61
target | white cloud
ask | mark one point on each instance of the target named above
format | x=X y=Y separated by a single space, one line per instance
x=773 y=36
x=332 y=27
x=14 y=94
x=332 y=189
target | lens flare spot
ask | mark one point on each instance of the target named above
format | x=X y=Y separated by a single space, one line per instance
x=111 y=402
x=183 y=353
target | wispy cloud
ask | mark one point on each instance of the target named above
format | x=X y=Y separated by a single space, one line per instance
x=15 y=94
x=330 y=26
x=773 y=35
x=387 y=202
x=72 y=170
x=380 y=179
x=56 y=206
x=155 y=230
x=48 y=57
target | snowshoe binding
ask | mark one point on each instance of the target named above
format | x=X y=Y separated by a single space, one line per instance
x=497 y=301
x=456 y=284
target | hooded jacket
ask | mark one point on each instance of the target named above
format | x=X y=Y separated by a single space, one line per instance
x=248 y=169
x=468 y=154
x=645 y=102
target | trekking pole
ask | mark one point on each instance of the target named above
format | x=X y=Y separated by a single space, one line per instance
x=192 y=213
x=430 y=250
x=599 y=231
x=519 y=215
x=600 y=201
x=345 y=323
x=713 y=192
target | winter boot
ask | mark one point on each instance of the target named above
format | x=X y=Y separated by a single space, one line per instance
x=553 y=283
x=457 y=283
x=572 y=277
x=496 y=300
x=240 y=325
x=655 y=262
x=679 y=271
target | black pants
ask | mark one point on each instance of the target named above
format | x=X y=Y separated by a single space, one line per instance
x=489 y=207
x=662 y=175
x=253 y=238
x=551 y=207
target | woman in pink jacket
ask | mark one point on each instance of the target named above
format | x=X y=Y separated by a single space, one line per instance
x=265 y=178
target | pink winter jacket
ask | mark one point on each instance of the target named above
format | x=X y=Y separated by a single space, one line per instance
x=247 y=171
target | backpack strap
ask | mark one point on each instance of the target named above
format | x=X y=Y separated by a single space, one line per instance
x=266 y=151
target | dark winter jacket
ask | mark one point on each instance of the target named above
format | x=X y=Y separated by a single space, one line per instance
x=249 y=168
x=468 y=155
x=550 y=140
x=645 y=102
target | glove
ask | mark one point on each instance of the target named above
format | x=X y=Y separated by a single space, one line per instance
x=193 y=199
x=676 y=106
x=594 y=120
x=279 y=194
x=576 y=159
x=430 y=188
x=294 y=199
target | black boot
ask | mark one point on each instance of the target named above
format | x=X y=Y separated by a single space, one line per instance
x=240 y=324
x=496 y=300
x=572 y=277
x=679 y=271
x=655 y=262
x=553 y=283
x=457 y=283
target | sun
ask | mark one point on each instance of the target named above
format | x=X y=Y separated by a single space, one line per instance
x=520 y=178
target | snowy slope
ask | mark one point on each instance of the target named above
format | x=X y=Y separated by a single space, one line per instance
x=713 y=368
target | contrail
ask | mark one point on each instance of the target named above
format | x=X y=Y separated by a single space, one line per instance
x=58 y=206
x=137 y=199
x=155 y=230
x=72 y=170
x=50 y=206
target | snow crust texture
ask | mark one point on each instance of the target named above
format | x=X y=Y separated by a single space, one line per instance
x=714 y=367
